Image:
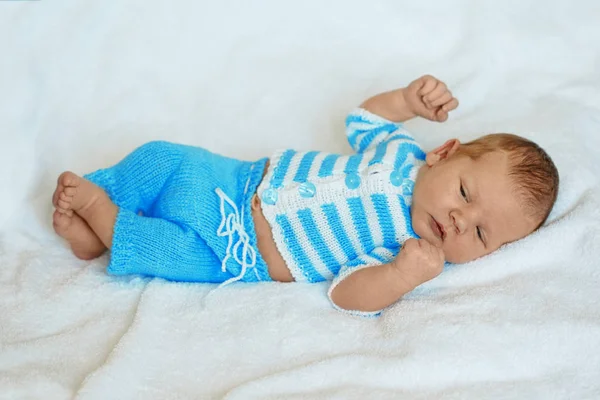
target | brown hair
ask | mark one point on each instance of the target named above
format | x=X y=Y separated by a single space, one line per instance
x=530 y=167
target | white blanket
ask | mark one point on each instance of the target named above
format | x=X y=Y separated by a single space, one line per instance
x=83 y=83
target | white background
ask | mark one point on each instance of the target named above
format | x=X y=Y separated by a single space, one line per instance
x=84 y=83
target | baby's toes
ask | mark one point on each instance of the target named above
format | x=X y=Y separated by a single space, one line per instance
x=60 y=222
x=63 y=205
x=65 y=198
x=68 y=213
x=59 y=190
x=70 y=191
x=68 y=178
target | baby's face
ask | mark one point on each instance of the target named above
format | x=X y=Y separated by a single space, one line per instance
x=468 y=207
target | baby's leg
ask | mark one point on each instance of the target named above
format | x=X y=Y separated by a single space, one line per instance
x=140 y=245
x=133 y=183
x=136 y=182
x=161 y=248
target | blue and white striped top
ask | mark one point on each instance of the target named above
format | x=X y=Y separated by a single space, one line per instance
x=333 y=214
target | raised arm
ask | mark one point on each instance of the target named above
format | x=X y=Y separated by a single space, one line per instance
x=427 y=97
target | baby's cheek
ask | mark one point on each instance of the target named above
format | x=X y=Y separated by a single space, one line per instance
x=456 y=252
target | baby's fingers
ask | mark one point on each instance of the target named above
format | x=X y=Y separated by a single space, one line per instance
x=429 y=83
x=451 y=105
x=439 y=91
x=441 y=115
x=443 y=99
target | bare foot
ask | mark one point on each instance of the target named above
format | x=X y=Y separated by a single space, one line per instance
x=60 y=189
x=82 y=197
x=84 y=242
x=74 y=193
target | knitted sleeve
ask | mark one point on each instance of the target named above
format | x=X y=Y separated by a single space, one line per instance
x=366 y=130
x=377 y=256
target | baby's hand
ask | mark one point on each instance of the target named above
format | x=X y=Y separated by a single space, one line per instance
x=429 y=98
x=418 y=262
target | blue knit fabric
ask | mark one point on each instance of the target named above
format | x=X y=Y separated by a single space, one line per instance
x=330 y=214
x=182 y=233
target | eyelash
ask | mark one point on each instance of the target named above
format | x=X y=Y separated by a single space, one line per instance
x=464 y=195
x=479 y=234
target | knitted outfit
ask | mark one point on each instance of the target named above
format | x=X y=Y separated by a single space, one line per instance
x=196 y=224
x=330 y=214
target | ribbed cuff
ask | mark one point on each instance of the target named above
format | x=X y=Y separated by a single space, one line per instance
x=122 y=251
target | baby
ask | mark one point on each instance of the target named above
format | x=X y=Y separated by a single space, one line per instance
x=378 y=223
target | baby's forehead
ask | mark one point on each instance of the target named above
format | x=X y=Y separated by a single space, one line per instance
x=490 y=169
x=500 y=170
x=501 y=200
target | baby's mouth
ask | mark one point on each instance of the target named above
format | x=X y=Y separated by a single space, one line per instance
x=437 y=229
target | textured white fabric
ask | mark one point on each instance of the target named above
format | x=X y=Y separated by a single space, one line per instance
x=84 y=83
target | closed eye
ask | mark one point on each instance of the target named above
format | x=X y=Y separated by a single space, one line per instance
x=463 y=193
x=480 y=235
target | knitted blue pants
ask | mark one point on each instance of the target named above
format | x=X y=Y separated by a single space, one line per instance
x=184 y=215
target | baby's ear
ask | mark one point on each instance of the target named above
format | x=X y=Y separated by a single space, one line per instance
x=442 y=152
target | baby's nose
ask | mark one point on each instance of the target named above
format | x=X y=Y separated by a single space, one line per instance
x=459 y=222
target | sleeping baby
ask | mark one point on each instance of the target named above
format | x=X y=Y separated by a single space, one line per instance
x=377 y=223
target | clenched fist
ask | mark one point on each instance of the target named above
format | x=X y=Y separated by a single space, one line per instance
x=418 y=262
x=428 y=97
